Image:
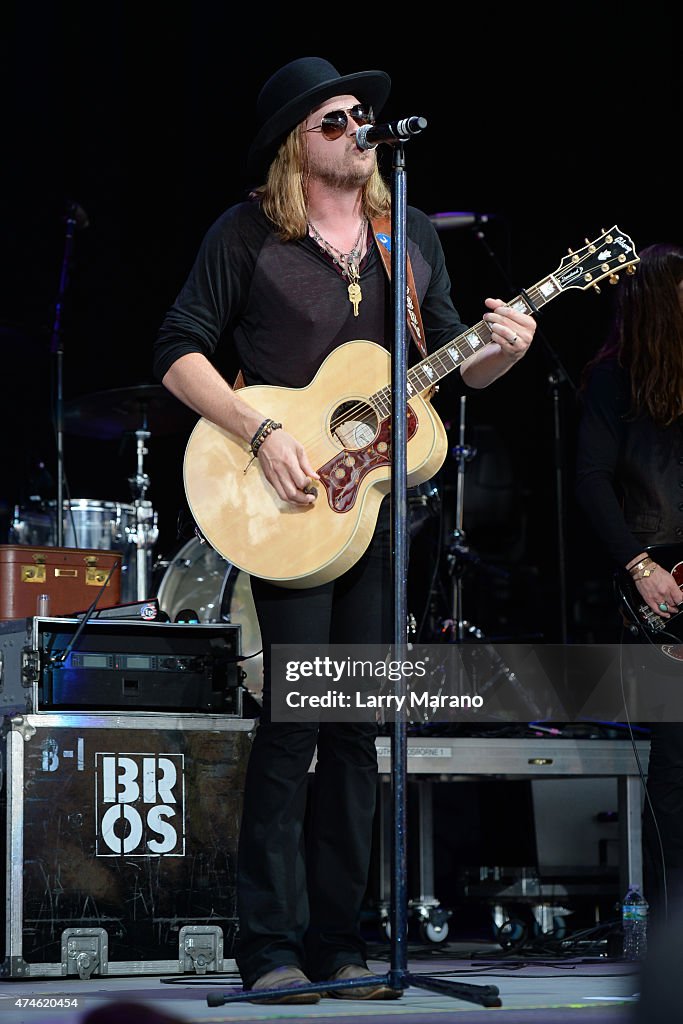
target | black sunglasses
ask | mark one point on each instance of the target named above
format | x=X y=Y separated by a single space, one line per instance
x=335 y=122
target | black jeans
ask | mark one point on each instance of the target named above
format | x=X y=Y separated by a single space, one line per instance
x=300 y=890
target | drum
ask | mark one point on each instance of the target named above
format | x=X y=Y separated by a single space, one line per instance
x=112 y=526
x=91 y=524
x=201 y=579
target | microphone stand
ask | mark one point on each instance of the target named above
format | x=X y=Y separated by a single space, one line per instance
x=76 y=217
x=399 y=976
x=556 y=377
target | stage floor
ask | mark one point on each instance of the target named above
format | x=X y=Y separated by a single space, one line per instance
x=548 y=991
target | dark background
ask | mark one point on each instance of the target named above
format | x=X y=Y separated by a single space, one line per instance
x=558 y=124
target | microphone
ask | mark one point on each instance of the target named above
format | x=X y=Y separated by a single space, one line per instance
x=455 y=219
x=369 y=135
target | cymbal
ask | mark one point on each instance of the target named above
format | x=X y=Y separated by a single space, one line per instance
x=106 y=415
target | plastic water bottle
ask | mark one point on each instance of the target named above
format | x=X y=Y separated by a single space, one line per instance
x=634 y=922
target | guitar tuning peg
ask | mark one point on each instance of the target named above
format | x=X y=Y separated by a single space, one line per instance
x=631 y=269
x=570 y=251
x=596 y=289
x=614 y=279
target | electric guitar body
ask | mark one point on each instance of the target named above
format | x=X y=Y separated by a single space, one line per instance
x=665 y=633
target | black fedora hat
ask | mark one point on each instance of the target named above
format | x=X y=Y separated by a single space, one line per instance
x=292 y=92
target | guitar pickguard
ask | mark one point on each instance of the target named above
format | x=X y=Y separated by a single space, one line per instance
x=342 y=475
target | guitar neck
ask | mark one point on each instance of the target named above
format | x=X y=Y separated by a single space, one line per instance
x=442 y=362
x=435 y=367
x=605 y=256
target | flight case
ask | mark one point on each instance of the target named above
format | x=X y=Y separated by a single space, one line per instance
x=65 y=664
x=120 y=841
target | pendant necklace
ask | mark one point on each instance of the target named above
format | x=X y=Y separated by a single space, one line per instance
x=348 y=262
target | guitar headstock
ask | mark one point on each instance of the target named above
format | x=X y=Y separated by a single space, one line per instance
x=605 y=256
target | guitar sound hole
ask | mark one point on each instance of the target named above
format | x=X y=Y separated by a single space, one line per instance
x=354 y=424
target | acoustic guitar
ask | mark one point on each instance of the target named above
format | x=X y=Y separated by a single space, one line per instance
x=343 y=419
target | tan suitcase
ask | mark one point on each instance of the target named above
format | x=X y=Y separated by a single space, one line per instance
x=71 y=577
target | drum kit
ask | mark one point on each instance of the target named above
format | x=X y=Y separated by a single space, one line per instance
x=197 y=577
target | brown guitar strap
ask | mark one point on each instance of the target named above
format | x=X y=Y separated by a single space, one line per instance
x=381 y=228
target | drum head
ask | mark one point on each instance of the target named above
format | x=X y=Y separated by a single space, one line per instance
x=90 y=523
x=201 y=579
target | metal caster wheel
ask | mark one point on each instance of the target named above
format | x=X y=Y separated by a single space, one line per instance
x=511 y=934
x=432 y=932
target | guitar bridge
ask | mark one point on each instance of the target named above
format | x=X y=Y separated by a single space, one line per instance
x=651 y=619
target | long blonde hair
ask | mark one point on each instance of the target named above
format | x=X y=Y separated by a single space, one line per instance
x=283 y=197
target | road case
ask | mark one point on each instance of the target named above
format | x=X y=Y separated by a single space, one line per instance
x=119 y=842
x=54 y=665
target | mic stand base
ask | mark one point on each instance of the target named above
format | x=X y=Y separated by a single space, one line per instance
x=480 y=995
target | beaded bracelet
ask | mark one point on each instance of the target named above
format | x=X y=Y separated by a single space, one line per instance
x=256 y=436
x=266 y=428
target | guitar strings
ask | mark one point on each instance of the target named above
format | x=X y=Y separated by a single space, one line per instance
x=537 y=299
x=385 y=393
x=360 y=410
x=362 y=407
x=371 y=403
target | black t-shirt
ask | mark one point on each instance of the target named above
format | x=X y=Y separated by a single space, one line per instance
x=282 y=307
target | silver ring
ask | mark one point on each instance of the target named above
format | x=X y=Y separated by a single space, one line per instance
x=663 y=607
x=513 y=339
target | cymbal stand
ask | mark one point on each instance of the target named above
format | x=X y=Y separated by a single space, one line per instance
x=459 y=556
x=145 y=529
x=557 y=376
x=463 y=453
x=76 y=217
